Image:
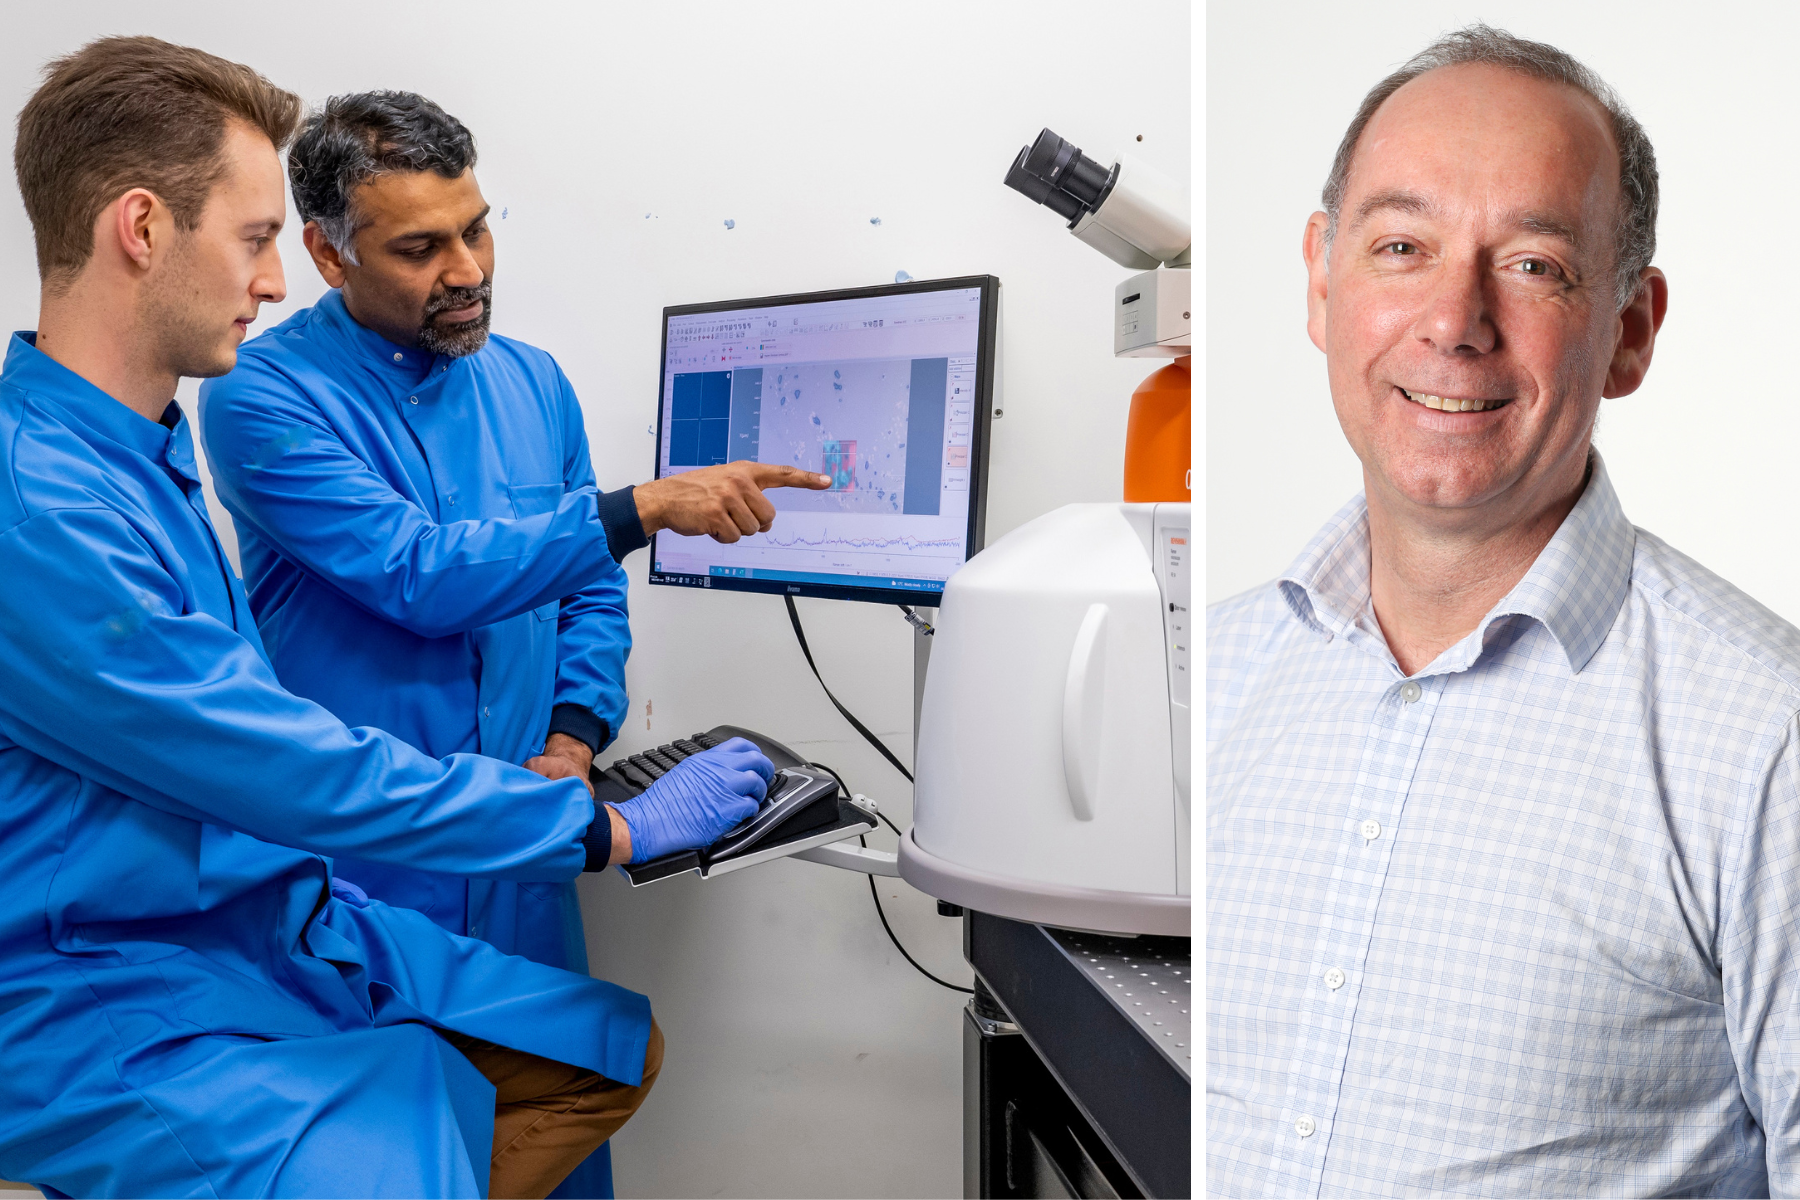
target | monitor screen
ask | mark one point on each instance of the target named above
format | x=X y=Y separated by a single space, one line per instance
x=887 y=390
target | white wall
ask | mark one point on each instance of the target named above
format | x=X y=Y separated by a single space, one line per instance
x=805 y=1057
x=1702 y=454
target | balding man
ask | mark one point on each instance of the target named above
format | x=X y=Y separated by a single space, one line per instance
x=1503 y=793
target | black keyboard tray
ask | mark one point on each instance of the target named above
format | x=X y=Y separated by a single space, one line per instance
x=806 y=808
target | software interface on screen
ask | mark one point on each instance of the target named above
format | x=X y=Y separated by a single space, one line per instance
x=877 y=392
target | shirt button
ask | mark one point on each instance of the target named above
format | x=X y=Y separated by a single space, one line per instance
x=485 y=713
x=1305 y=1127
x=415 y=400
x=1370 y=829
x=397 y=356
x=1334 y=979
x=1409 y=691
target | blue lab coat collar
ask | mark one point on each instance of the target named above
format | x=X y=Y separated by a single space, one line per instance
x=394 y=361
x=31 y=370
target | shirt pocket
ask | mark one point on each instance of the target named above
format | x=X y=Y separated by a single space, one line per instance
x=533 y=499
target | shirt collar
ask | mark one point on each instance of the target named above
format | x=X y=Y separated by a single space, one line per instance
x=1574 y=588
x=407 y=362
x=31 y=370
x=1328 y=585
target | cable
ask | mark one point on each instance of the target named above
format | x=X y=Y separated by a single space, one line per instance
x=916 y=621
x=794 y=616
x=883 y=817
x=800 y=636
x=876 y=896
x=842 y=786
x=880 y=912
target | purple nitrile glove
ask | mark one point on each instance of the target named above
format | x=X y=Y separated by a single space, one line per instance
x=704 y=797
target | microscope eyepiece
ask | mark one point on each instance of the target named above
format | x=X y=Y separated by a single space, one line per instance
x=1055 y=173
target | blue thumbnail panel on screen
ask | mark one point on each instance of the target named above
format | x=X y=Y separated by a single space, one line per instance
x=714 y=417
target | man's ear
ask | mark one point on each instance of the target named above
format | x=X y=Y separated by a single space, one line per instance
x=325 y=256
x=1638 y=325
x=138 y=224
x=1312 y=249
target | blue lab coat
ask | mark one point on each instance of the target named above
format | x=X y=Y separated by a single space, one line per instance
x=424 y=553
x=188 y=1006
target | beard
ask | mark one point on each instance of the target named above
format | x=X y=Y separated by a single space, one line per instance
x=455 y=341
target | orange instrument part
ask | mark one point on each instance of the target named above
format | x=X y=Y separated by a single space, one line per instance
x=1159 y=437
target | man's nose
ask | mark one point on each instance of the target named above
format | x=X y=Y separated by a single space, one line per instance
x=1456 y=318
x=270 y=284
x=462 y=271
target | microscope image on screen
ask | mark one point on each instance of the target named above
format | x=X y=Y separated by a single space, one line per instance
x=860 y=423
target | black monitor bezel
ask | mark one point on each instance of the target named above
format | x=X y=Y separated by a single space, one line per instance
x=985 y=351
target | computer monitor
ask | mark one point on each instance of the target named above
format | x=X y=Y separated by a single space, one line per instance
x=888 y=390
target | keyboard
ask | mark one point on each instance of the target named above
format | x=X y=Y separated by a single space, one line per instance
x=800 y=799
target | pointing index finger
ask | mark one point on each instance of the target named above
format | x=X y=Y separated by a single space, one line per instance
x=772 y=475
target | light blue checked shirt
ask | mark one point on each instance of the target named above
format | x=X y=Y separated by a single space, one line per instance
x=1525 y=923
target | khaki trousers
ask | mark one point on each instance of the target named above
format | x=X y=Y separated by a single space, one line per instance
x=548 y=1115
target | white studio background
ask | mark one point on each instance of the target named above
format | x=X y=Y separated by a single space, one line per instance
x=1702 y=454
x=805 y=1057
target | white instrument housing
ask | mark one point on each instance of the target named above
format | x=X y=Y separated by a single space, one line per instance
x=1052 y=764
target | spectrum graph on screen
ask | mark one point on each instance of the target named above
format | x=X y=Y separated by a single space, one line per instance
x=879 y=392
x=905 y=541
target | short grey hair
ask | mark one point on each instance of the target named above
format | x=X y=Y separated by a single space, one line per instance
x=340 y=231
x=357 y=137
x=1635 y=230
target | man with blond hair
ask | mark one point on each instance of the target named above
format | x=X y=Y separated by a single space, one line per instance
x=189 y=1003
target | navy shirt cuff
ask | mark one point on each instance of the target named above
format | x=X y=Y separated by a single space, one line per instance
x=619 y=517
x=581 y=724
x=597 y=841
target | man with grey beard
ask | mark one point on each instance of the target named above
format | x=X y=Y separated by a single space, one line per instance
x=422 y=541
